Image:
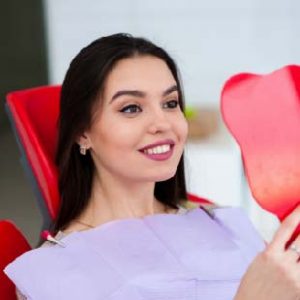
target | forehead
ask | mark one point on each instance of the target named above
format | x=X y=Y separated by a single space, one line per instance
x=146 y=73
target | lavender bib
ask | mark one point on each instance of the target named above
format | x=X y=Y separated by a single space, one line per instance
x=164 y=256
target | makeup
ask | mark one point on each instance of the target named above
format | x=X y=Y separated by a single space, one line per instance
x=159 y=151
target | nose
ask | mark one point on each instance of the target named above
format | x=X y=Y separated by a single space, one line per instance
x=159 y=122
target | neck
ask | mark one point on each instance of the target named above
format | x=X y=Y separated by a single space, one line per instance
x=113 y=199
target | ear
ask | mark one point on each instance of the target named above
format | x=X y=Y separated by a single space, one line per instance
x=84 y=139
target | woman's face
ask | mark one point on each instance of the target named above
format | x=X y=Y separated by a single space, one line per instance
x=138 y=131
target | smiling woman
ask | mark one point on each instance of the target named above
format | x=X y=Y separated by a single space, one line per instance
x=124 y=232
x=128 y=99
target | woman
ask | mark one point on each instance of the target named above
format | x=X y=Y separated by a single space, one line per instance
x=123 y=229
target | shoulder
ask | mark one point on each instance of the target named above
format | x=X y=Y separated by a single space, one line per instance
x=207 y=207
x=232 y=217
x=53 y=272
x=27 y=270
x=235 y=219
x=193 y=204
x=45 y=256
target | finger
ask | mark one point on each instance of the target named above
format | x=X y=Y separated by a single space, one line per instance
x=286 y=229
x=293 y=255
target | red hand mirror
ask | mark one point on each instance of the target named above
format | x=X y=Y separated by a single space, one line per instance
x=262 y=112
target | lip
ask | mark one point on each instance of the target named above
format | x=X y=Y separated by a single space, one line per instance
x=159 y=143
x=160 y=156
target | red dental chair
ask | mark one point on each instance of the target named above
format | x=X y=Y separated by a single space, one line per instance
x=33 y=114
x=13 y=244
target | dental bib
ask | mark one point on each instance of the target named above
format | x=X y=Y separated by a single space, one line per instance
x=192 y=256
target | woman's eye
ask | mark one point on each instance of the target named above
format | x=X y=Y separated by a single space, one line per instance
x=131 y=109
x=171 y=104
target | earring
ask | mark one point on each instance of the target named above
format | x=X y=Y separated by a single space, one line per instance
x=82 y=149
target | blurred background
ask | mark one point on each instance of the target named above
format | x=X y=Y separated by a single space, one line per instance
x=210 y=40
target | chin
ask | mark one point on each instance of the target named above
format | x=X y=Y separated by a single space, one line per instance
x=165 y=176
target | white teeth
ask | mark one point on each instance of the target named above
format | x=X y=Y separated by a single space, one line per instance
x=158 y=149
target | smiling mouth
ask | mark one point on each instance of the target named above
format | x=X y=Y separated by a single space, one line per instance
x=158 y=149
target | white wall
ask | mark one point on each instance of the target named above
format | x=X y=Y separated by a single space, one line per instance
x=211 y=40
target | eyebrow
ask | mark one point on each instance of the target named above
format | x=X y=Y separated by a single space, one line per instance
x=141 y=94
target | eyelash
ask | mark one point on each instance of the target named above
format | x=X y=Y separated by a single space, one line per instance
x=174 y=105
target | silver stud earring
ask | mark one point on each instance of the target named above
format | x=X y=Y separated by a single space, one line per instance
x=83 y=149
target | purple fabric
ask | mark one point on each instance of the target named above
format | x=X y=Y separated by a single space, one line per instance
x=158 y=257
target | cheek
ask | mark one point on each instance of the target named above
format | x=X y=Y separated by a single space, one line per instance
x=115 y=137
x=181 y=128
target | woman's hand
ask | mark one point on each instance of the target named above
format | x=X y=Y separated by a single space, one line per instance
x=275 y=273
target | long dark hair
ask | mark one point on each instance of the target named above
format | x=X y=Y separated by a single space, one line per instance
x=83 y=83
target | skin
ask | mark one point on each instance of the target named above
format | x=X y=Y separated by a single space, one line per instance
x=123 y=123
